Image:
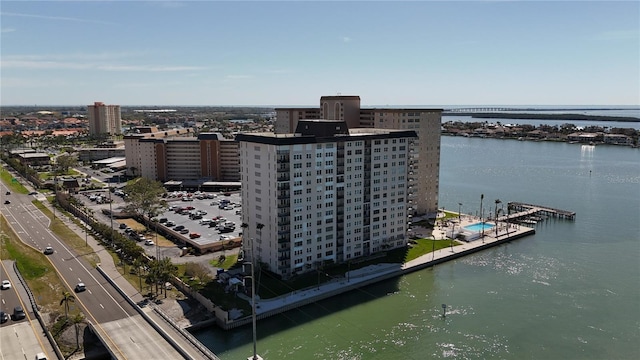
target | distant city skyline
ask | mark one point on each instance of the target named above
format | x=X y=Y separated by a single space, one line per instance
x=264 y=53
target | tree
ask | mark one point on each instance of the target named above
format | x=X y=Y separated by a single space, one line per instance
x=138 y=267
x=64 y=162
x=144 y=197
x=66 y=299
x=77 y=320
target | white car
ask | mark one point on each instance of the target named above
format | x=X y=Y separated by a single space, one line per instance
x=6 y=284
x=149 y=242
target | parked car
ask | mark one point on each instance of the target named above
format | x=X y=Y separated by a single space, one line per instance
x=184 y=231
x=122 y=226
x=169 y=223
x=149 y=242
x=162 y=220
x=80 y=287
x=4 y=317
x=8 y=193
x=6 y=284
x=18 y=313
x=48 y=250
x=204 y=222
x=225 y=237
x=194 y=235
x=178 y=228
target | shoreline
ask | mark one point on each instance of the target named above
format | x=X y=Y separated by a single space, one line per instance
x=371 y=274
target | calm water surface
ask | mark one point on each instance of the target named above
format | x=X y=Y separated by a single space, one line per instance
x=571 y=291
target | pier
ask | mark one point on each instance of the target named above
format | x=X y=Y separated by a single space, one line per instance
x=524 y=210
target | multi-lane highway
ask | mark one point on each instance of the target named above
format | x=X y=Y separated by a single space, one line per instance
x=18 y=337
x=127 y=334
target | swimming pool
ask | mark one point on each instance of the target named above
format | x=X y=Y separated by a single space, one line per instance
x=478 y=226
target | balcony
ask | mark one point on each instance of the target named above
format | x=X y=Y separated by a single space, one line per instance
x=283 y=176
x=284 y=212
x=283 y=194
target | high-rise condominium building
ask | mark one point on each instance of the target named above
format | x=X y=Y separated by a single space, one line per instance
x=104 y=119
x=324 y=194
x=425 y=153
x=170 y=155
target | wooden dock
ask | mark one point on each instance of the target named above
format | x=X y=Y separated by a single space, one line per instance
x=525 y=210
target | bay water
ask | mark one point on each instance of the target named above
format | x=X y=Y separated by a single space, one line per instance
x=571 y=291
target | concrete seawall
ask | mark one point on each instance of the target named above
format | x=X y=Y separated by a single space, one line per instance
x=367 y=276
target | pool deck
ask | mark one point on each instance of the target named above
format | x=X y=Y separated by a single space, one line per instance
x=358 y=278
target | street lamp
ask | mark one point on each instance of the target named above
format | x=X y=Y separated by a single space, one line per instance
x=481 y=221
x=253 y=305
x=433 y=247
x=459 y=213
x=496 y=213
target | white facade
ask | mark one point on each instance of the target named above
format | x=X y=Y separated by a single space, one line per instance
x=327 y=201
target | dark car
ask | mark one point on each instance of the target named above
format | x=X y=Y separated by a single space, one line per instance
x=225 y=230
x=4 y=317
x=33 y=193
x=7 y=202
x=18 y=313
x=178 y=228
x=8 y=193
x=123 y=226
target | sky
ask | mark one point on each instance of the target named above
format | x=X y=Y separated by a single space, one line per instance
x=290 y=53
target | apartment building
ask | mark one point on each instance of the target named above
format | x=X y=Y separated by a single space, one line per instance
x=425 y=153
x=177 y=155
x=324 y=194
x=104 y=119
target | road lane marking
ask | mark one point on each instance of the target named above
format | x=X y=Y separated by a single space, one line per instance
x=101 y=306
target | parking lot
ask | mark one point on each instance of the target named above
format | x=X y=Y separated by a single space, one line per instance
x=192 y=225
x=208 y=209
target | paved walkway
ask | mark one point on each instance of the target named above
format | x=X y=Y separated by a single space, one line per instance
x=379 y=272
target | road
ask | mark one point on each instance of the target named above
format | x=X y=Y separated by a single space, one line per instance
x=19 y=338
x=102 y=304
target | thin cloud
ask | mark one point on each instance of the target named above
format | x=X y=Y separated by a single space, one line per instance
x=7 y=30
x=57 y=18
x=39 y=65
x=239 y=76
x=152 y=68
x=346 y=39
x=73 y=56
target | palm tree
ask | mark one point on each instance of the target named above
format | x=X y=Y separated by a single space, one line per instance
x=77 y=320
x=66 y=299
x=138 y=265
